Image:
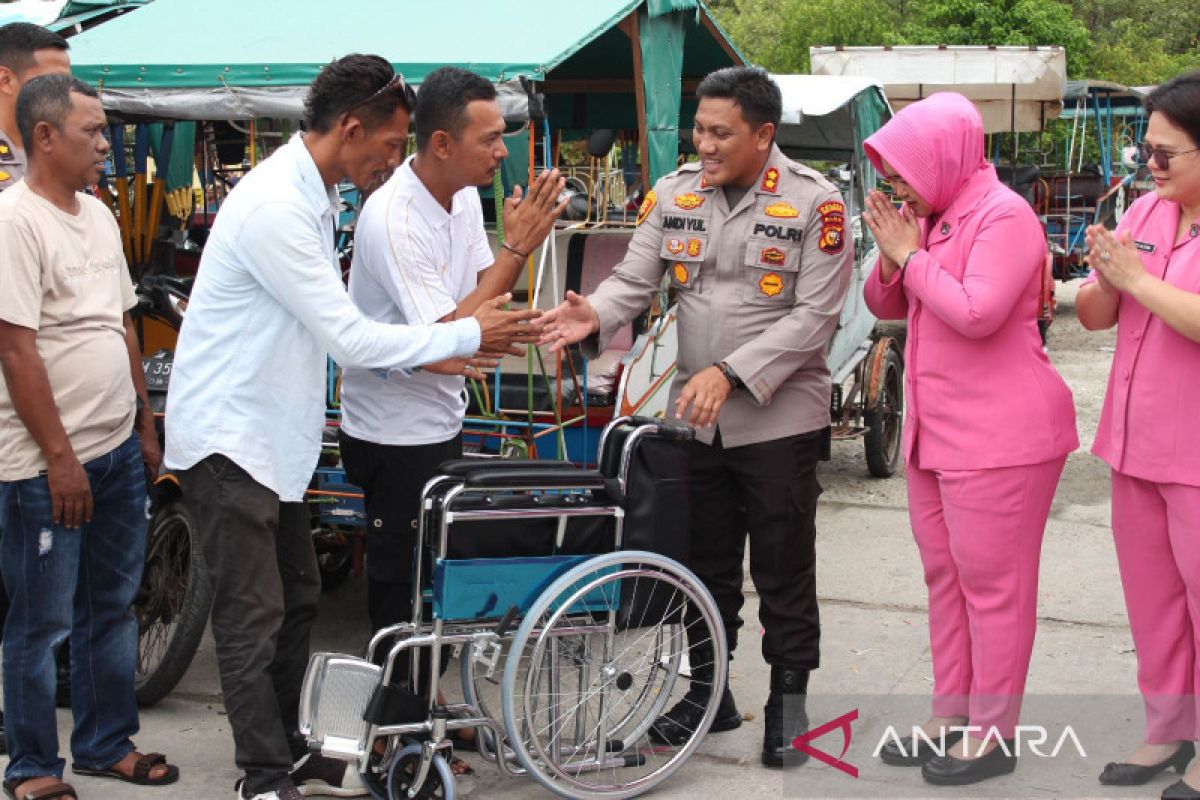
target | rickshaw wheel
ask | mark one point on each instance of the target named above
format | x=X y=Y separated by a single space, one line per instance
x=884 y=415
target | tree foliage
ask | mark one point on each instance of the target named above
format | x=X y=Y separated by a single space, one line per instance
x=1134 y=42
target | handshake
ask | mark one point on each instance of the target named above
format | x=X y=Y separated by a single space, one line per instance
x=501 y=331
x=504 y=331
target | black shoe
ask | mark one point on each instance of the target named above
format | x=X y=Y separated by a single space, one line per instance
x=1180 y=790
x=918 y=751
x=1123 y=774
x=785 y=717
x=677 y=725
x=950 y=771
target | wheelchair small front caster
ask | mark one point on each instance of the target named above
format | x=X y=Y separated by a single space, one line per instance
x=438 y=785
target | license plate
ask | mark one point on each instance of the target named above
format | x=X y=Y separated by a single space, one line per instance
x=157 y=369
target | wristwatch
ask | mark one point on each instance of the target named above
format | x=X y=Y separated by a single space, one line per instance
x=734 y=381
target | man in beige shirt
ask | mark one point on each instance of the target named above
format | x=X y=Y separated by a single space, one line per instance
x=72 y=466
x=26 y=51
x=756 y=250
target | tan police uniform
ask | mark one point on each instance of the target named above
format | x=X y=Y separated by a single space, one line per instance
x=12 y=162
x=760 y=286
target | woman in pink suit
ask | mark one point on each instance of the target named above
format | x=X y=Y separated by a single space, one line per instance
x=989 y=421
x=1146 y=281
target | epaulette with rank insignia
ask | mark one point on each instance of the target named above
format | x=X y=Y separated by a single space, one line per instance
x=6 y=153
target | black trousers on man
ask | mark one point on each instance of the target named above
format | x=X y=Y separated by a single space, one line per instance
x=769 y=490
x=266 y=583
x=392 y=477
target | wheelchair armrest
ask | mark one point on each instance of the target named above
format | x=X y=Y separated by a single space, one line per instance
x=502 y=477
x=459 y=467
x=672 y=432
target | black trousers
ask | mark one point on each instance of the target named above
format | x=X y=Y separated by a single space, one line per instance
x=266 y=583
x=392 y=477
x=770 y=491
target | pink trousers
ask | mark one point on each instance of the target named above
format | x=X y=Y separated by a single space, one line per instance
x=980 y=537
x=1156 y=528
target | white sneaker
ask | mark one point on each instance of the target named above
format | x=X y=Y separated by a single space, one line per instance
x=287 y=793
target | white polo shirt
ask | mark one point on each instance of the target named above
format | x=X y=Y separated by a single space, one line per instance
x=267 y=306
x=413 y=263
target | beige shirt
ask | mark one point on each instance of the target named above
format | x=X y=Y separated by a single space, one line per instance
x=12 y=162
x=65 y=277
x=759 y=286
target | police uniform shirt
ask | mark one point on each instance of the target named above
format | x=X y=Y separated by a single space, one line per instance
x=759 y=286
x=12 y=162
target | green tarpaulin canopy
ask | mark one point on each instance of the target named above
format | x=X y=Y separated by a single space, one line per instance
x=229 y=59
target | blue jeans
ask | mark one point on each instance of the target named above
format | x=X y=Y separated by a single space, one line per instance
x=78 y=582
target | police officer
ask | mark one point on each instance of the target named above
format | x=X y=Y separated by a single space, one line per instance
x=26 y=51
x=756 y=250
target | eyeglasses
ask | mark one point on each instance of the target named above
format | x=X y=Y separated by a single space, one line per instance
x=395 y=84
x=1162 y=158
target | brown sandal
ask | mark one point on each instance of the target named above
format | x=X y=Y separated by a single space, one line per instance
x=141 y=771
x=55 y=791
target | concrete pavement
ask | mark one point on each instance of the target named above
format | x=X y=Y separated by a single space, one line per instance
x=875 y=649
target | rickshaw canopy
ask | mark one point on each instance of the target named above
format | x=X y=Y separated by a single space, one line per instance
x=227 y=59
x=1015 y=88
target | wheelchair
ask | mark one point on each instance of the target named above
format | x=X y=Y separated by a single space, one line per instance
x=571 y=618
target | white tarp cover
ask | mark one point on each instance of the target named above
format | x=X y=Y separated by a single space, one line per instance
x=39 y=12
x=992 y=77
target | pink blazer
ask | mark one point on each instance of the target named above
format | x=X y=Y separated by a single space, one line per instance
x=980 y=391
x=1148 y=425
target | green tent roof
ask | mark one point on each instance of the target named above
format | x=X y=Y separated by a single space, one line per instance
x=190 y=44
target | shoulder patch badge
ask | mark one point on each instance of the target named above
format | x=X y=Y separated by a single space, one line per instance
x=647 y=206
x=680 y=273
x=781 y=210
x=770 y=181
x=770 y=284
x=695 y=247
x=675 y=246
x=689 y=201
x=833 y=227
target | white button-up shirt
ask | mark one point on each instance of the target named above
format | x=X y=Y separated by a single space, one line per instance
x=413 y=263
x=267 y=308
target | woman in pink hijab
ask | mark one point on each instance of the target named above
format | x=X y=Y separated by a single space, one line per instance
x=988 y=425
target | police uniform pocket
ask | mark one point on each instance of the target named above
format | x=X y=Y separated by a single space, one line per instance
x=684 y=254
x=770 y=272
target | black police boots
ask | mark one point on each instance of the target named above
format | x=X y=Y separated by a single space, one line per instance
x=785 y=717
x=677 y=725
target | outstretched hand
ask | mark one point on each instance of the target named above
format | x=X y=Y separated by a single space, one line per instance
x=500 y=330
x=571 y=321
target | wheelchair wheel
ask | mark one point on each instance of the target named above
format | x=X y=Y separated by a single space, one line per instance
x=483 y=691
x=438 y=785
x=581 y=692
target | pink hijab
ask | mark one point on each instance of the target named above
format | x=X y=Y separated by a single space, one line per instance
x=935 y=145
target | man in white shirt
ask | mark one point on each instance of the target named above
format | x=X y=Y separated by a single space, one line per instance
x=421 y=255
x=246 y=407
